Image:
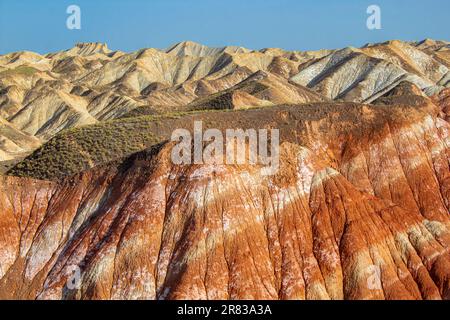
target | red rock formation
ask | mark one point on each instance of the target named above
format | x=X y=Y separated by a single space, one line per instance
x=443 y=100
x=351 y=216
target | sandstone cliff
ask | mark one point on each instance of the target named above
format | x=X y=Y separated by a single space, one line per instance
x=93 y=207
x=358 y=210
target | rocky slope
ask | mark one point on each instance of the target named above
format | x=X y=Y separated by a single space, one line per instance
x=41 y=95
x=13 y=142
x=359 y=208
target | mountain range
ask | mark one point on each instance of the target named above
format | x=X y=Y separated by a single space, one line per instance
x=359 y=208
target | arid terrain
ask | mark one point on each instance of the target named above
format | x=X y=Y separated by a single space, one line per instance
x=93 y=207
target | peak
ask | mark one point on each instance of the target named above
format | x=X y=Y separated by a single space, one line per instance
x=87 y=48
x=189 y=43
x=395 y=43
x=189 y=48
x=184 y=44
x=273 y=51
x=91 y=44
x=347 y=50
x=148 y=52
x=431 y=43
x=258 y=75
x=428 y=41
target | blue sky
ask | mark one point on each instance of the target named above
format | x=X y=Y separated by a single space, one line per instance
x=290 y=24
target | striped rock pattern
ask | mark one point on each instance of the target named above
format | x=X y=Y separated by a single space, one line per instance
x=364 y=218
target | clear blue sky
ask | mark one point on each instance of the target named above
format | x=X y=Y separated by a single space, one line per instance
x=291 y=24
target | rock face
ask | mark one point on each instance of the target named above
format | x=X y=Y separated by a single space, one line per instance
x=41 y=95
x=443 y=101
x=357 y=210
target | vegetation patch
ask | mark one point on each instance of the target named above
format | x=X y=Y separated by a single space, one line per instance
x=77 y=149
x=20 y=70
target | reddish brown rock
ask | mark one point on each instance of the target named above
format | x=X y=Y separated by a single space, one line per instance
x=443 y=101
x=355 y=213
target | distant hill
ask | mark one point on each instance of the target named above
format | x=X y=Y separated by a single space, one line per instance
x=41 y=95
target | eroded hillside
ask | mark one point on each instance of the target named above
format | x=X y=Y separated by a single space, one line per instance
x=350 y=197
x=41 y=95
x=93 y=206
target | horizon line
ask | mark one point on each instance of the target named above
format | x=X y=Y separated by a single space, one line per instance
x=220 y=47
